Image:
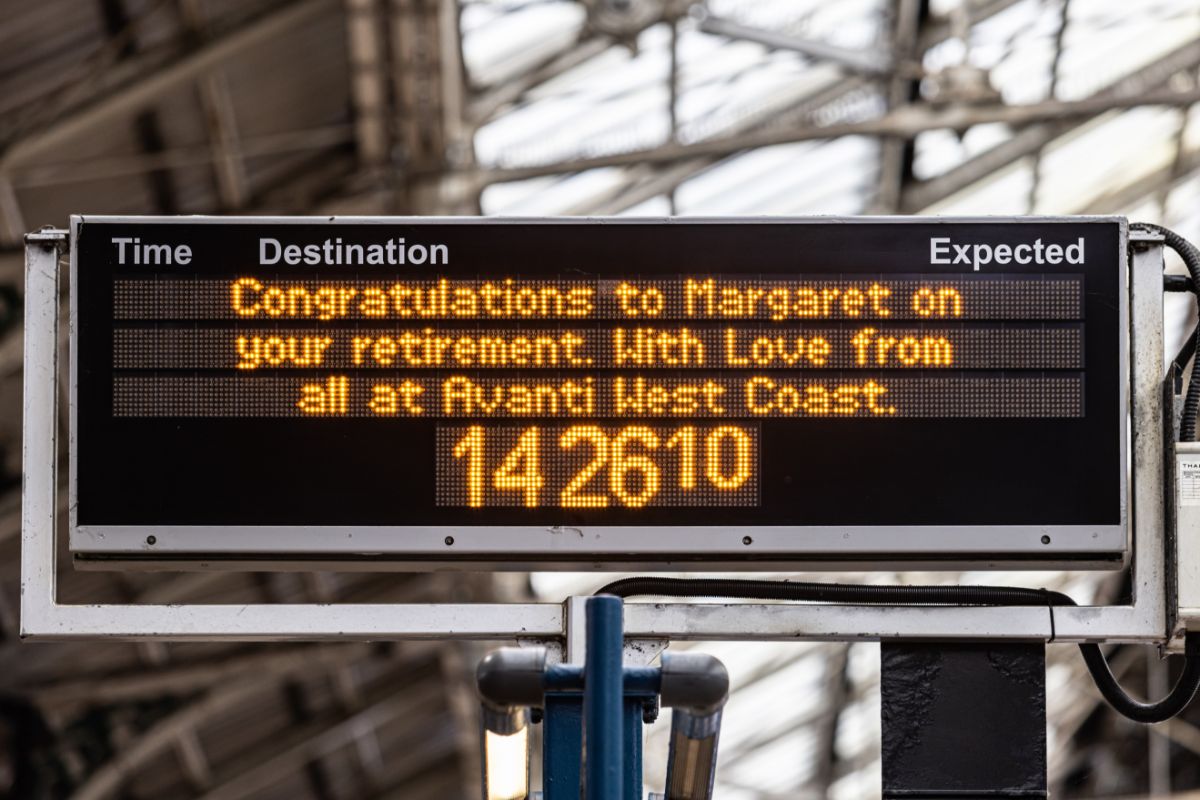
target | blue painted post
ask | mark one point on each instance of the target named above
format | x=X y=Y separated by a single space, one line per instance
x=633 y=747
x=603 y=699
x=562 y=746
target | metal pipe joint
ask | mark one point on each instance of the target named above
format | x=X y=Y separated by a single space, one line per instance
x=512 y=676
x=694 y=682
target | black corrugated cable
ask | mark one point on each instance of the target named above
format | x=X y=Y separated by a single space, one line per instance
x=1176 y=700
x=1191 y=260
x=1178 y=283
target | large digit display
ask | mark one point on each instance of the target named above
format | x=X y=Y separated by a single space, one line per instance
x=558 y=392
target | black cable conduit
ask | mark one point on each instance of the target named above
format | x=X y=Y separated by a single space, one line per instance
x=1175 y=701
x=1191 y=259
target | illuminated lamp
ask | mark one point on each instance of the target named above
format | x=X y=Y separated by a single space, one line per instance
x=695 y=686
x=509 y=680
x=505 y=748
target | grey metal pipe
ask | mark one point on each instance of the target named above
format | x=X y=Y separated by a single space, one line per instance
x=695 y=682
x=511 y=676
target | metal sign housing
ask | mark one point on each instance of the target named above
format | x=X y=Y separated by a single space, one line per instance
x=1146 y=618
x=750 y=393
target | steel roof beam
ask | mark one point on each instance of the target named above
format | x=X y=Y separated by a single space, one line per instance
x=146 y=128
x=429 y=106
x=216 y=102
x=871 y=63
x=324 y=735
x=109 y=778
x=152 y=86
x=1064 y=19
x=263 y=766
x=895 y=152
x=1035 y=137
x=1122 y=198
x=647 y=182
x=837 y=696
x=484 y=106
x=942 y=28
x=189 y=677
x=907 y=122
x=368 y=80
x=116 y=166
x=420 y=770
x=12 y=221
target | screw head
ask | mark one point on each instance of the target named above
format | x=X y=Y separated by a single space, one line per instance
x=1045 y=540
x=747 y=540
x=449 y=540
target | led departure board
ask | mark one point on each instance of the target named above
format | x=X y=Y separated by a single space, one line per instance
x=552 y=391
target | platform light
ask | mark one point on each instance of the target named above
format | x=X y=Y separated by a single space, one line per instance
x=505 y=754
x=692 y=763
x=509 y=682
x=695 y=686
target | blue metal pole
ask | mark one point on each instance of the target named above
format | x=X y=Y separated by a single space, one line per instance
x=632 y=724
x=603 y=699
x=562 y=746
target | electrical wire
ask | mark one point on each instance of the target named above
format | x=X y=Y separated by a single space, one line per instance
x=1174 y=702
x=754 y=589
x=1178 y=283
x=1179 y=364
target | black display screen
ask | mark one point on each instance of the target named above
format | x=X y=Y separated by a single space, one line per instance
x=480 y=373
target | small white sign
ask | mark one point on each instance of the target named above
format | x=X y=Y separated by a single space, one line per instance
x=1189 y=481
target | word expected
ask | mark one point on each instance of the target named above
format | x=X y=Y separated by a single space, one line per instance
x=979 y=255
x=594 y=466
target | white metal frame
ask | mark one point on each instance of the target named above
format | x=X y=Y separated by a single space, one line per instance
x=1145 y=620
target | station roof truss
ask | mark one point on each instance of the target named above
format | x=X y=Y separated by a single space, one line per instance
x=548 y=107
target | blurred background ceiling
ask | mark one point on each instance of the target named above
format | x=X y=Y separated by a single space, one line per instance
x=539 y=107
